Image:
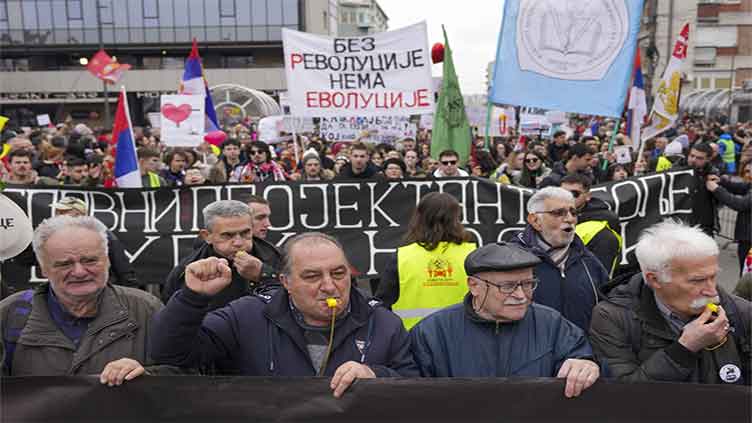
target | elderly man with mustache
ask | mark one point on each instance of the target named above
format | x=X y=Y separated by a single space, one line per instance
x=659 y=327
x=497 y=331
x=570 y=275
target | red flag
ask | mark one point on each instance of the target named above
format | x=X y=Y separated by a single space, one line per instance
x=106 y=68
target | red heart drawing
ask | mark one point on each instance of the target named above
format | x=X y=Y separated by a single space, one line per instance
x=175 y=113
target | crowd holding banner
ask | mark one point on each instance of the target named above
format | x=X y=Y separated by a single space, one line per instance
x=358 y=172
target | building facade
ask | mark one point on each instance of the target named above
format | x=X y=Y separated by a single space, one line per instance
x=42 y=43
x=360 y=17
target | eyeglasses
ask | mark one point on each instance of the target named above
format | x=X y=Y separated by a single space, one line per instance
x=254 y=152
x=449 y=162
x=508 y=287
x=533 y=160
x=562 y=212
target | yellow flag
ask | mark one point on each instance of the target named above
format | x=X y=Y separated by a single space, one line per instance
x=3 y=120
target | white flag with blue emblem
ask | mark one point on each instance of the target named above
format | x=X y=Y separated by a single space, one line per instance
x=568 y=55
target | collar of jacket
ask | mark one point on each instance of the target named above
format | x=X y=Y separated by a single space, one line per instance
x=279 y=313
x=526 y=239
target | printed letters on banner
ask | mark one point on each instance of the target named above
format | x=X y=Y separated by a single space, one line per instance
x=376 y=75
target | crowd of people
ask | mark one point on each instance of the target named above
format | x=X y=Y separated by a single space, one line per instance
x=551 y=302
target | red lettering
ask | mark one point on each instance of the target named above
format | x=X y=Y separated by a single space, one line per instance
x=383 y=97
x=295 y=58
x=415 y=100
x=341 y=97
x=423 y=98
x=311 y=99
x=352 y=100
x=396 y=101
x=325 y=100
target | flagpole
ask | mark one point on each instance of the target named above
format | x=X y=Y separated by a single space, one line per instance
x=104 y=82
x=604 y=166
x=488 y=121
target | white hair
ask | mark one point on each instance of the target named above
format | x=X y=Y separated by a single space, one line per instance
x=669 y=240
x=535 y=204
x=225 y=208
x=52 y=225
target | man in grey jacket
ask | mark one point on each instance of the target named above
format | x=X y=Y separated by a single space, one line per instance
x=78 y=324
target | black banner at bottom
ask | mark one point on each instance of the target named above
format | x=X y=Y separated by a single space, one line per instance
x=224 y=399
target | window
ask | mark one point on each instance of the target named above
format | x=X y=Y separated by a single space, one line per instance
x=723 y=83
x=238 y=61
x=73 y=7
x=705 y=83
x=227 y=8
x=150 y=9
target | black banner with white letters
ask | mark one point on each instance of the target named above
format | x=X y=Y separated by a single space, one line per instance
x=188 y=399
x=158 y=227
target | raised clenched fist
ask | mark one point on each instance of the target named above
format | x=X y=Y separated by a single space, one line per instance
x=208 y=276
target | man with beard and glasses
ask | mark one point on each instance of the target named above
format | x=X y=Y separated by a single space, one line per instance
x=497 y=331
x=659 y=328
x=570 y=275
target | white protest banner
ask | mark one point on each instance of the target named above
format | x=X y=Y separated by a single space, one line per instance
x=388 y=73
x=502 y=119
x=298 y=124
x=182 y=120
x=380 y=129
x=426 y=121
x=269 y=128
x=43 y=120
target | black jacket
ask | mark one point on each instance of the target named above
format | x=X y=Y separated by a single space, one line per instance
x=742 y=203
x=254 y=338
x=347 y=172
x=239 y=287
x=630 y=335
x=704 y=206
x=605 y=246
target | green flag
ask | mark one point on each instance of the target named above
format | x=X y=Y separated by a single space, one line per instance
x=451 y=130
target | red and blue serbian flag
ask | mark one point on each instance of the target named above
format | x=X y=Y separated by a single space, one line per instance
x=127 y=174
x=637 y=108
x=194 y=83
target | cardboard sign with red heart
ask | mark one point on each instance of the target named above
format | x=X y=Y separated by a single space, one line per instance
x=182 y=120
x=175 y=113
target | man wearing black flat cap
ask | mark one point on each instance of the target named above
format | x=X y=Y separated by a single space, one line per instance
x=498 y=332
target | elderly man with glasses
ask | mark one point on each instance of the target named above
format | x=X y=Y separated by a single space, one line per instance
x=497 y=331
x=570 y=275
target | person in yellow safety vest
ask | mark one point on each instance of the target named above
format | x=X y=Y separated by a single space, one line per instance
x=673 y=155
x=727 y=150
x=149 y=164
x=428 y=273
x=597 y=225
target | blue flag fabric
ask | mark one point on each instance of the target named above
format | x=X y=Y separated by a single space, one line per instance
x=567 y=55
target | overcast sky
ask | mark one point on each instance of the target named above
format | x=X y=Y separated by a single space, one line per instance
x=472 y=28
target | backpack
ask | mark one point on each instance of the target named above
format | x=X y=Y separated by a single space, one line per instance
x=15 y=321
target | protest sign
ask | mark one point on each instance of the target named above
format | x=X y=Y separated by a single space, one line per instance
x=43 y=120
x=569 y=56
x=182 y=120
x=378 y=129
x=269 y=128
x=158 y=227
x=388 y=73
x=623 y=154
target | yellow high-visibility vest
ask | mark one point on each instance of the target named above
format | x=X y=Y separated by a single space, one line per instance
x=588 y=230
x=430 y=280
x=153 y=180
x=663 y=165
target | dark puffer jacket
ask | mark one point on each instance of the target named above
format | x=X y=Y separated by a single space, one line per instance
x=630 y=335
x=253 y=338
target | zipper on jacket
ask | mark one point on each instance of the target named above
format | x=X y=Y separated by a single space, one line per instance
x=497 y=327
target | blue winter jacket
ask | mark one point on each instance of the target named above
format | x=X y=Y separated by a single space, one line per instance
x=250 y=337
x=573 y=292
x=456 y=342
